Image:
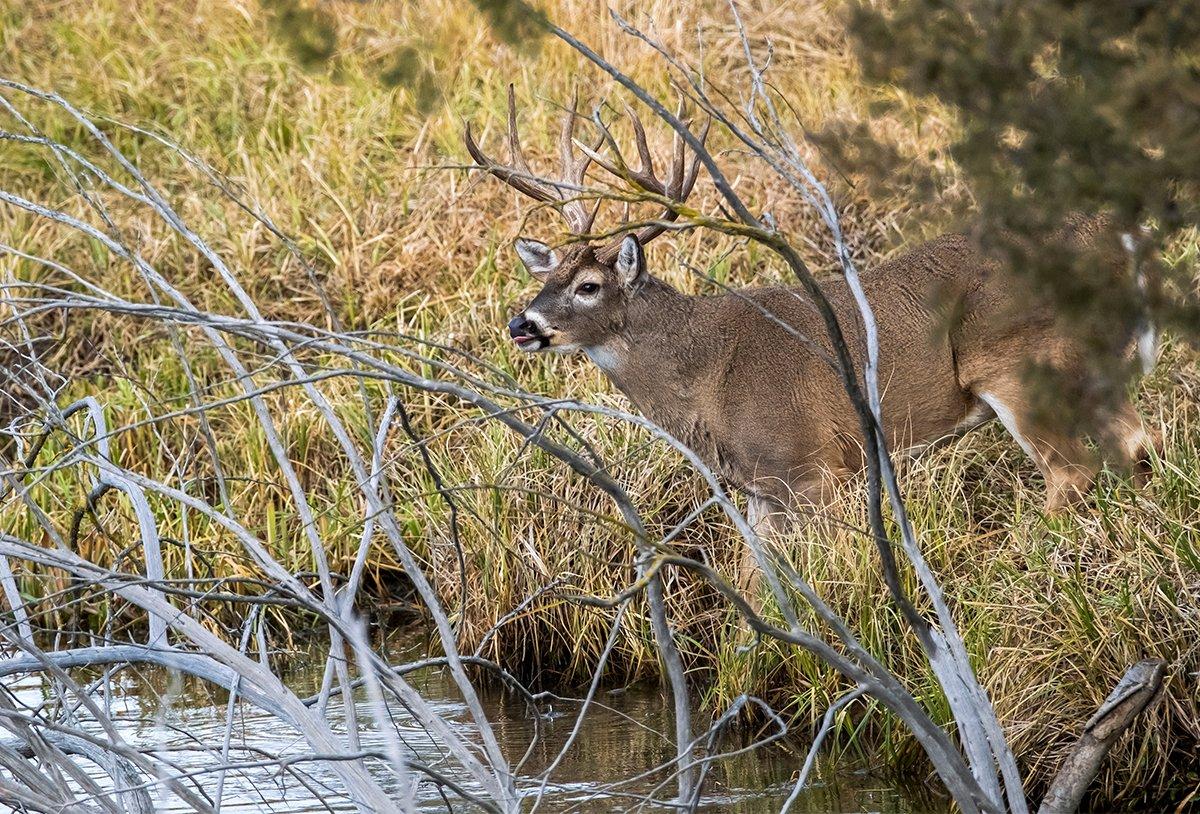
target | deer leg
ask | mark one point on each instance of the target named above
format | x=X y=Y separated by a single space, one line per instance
x=1066 y=463
x=773 y=516
x=768 y=519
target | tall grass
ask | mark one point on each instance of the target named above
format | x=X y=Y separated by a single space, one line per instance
x=1052 y=609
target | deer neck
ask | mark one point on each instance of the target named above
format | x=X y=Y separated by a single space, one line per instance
x=657 y=359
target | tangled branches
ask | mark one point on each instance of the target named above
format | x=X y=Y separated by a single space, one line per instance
x=65 y=455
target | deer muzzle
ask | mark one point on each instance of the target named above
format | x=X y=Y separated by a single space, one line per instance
x=526 y=334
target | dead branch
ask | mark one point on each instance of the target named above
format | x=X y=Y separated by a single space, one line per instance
x=1134 y=693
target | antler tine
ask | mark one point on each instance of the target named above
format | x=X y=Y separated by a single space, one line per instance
x=645 y=176
x=694 y=170
x=517 y=177
x=674 y=184
x=515 y=154
x=573 y=172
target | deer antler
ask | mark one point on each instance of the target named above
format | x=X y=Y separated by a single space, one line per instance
x=677 y=187
x=562 y=193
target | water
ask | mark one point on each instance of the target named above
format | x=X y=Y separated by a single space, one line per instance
x=183 y=720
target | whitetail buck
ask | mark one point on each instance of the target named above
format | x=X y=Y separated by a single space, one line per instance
x=765 y=408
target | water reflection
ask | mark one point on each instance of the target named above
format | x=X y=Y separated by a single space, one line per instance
x=184 y=722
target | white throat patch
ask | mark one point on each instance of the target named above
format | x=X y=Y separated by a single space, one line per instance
x=605 y=358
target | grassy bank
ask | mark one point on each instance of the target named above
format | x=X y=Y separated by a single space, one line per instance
x=1054 y=610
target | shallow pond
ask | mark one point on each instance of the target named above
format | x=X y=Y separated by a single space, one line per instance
x=621 y=738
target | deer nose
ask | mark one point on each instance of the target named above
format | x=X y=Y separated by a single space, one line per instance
x=520 y=326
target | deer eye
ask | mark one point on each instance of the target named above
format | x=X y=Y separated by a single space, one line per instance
x=587 y=289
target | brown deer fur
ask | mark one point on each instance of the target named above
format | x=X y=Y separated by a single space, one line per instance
x=766 y=409
x=744 y=378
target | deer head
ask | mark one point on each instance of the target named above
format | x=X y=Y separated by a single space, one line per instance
x=586 y=288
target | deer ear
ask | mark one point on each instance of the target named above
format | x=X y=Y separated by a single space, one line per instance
x=631 y=260
x=539 y=258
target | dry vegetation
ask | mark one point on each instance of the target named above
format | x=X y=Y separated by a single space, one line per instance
x=354 y=169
